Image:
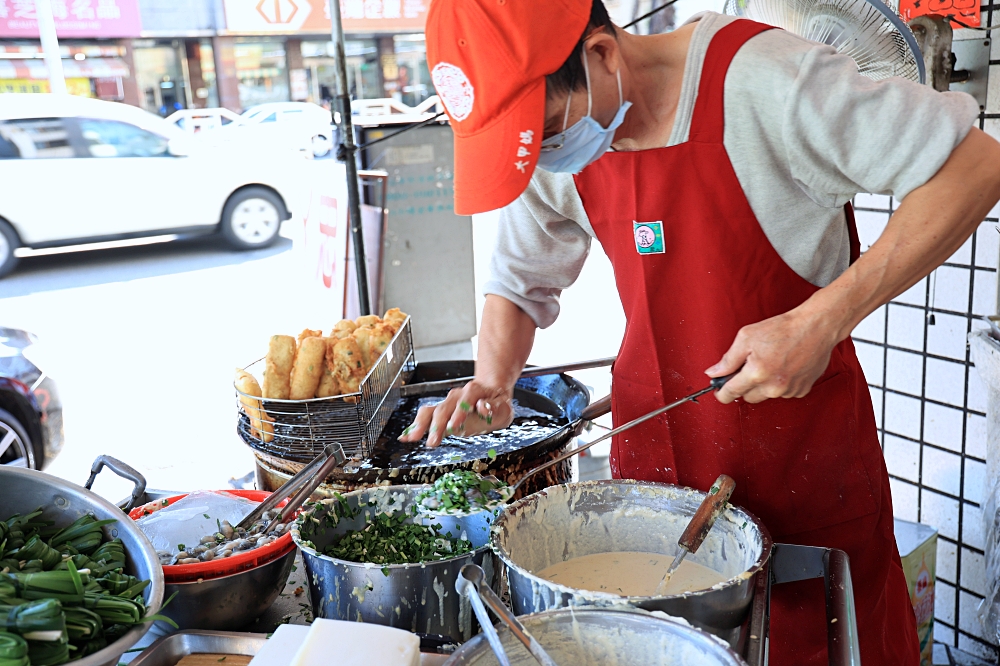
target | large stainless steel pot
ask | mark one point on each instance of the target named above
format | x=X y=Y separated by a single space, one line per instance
x=63 y=502
x=417 y=597
x=577 y=519
x=592 y=637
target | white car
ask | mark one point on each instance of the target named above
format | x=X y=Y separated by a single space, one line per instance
x=77 y=170
x=297 y=125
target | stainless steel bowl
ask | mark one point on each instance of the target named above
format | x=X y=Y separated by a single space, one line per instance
x=63 y=502
x=416 y=597
x=228 y=602
x=594 y=637
x=576 y=519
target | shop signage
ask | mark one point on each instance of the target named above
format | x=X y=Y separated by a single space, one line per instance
x=313 y=16
x=73 y=18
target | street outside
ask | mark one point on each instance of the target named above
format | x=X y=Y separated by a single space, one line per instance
x=142 y=342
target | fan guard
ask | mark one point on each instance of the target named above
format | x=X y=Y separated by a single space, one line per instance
x=869 y=31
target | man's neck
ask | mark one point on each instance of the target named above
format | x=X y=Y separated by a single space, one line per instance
x=654 y=69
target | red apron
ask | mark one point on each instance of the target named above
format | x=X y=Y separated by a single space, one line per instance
x=693 y=266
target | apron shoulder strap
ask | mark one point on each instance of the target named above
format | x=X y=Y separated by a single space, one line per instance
x=852 y=232
x=708 y=119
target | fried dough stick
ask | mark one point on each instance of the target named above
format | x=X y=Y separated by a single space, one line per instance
x=278 y=367
x=329 y=385
x=308 y=369
x=260 y=422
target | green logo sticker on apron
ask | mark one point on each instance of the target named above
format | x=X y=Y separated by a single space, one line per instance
x=648 y=237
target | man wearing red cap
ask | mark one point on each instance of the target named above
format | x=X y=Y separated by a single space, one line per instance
x=714 y=165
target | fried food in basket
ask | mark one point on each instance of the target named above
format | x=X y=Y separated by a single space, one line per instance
x=394 y=318
x=309 y=333
x=362 y=335
x=367 y=321
x=343 y=329
x=328 y=383
x=308 y=369
x=347 y=364
x=278 y=366
x=378 y=340
x=260 y=422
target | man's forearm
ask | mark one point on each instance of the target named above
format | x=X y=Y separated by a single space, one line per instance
x=505 y=339
x=929 y=226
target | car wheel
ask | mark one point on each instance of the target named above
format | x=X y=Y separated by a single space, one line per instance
x=8 y=243
x=16 y=448
x=321 y=145
x=252 y=218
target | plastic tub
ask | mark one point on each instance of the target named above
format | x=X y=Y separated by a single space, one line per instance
x=251 y=559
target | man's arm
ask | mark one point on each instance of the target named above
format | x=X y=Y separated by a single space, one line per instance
x=783 y=356
x=505 y=340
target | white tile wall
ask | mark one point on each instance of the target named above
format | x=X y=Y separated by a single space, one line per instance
x=984 y=293
x=977 y=391
x=973 y=570
x=902 y=415
x=967 y=620
x=962 y=255
x=944 y=605
x=906 y=327
x=974 y=647
x=975 y=436
x=915 y=295
x=871 y=359
x=943 y=426
x=902 y=457
x=951 y=291
x=942 y=470
x=945 y=381
x=880 y=201
x=943 y=634
x=947 y=561
x=904 y=371
x=872 y=327
x=876 y=394
x=975 y=479
x=972 y=526
x=870 y=227
x=939 y=511
x=988 y=243
x=904 y=499
x=947 y=337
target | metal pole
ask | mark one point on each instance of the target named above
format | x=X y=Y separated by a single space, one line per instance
x=50 y=46
x=348 y=152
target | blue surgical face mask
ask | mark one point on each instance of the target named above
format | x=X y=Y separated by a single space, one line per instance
x=584 y=142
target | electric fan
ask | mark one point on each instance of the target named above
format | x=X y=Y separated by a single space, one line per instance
x=869 y=31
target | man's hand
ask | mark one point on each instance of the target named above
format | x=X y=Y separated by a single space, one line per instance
x=484 y=404
x=471 y=410
x=780 y=357
x=784 y=355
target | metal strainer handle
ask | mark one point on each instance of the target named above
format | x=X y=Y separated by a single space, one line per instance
x=472 y=576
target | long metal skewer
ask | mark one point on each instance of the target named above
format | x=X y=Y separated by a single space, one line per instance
x=716 y=384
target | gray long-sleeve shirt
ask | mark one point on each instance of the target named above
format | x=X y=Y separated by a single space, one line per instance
x=805 y=133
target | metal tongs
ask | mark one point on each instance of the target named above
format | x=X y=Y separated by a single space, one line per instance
x=470 y=584
x=302 y=485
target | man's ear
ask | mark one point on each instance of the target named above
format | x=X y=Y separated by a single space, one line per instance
x=606 y=48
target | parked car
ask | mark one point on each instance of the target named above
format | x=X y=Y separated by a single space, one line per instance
x=78 y=170
x=299 y=126
x=31 y=424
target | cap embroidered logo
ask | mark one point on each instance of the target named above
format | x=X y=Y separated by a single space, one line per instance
x=455 y=89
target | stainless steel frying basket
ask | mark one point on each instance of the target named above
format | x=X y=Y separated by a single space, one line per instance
x=302 y=428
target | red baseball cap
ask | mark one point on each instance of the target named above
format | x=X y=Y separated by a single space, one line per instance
x=488 y=61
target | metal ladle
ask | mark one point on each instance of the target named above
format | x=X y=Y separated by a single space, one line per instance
x=470 y=584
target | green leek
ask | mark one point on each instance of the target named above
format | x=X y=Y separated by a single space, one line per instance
x=41 y=620
x=13 y=650
x=36 y=549
x=82 y=624
x=85 y=534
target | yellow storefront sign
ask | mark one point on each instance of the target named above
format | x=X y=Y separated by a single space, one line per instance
x=79 y=87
